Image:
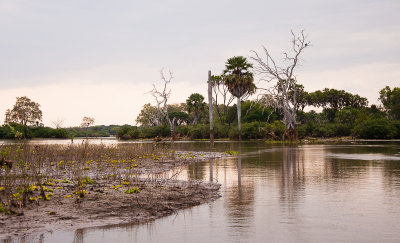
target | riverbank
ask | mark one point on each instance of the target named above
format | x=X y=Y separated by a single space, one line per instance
x=103 y=205
x=124 y=192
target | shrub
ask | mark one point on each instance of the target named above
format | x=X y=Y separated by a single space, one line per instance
x=376 y=129
x=127 y=132
x=199 y=131
x=132 y=190
x=182 y=130
x=60 y=133
x=252 y=130
x=277 y=127
x=221 y=131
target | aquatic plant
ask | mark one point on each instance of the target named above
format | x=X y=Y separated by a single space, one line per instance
x=132 y=190
x=232 y=152
x=87 y=180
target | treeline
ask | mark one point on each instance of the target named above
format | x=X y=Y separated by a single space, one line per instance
x=94 y=131
x=15 y=130
x=343 y=114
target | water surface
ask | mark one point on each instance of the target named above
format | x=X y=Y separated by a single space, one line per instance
x=278 y=193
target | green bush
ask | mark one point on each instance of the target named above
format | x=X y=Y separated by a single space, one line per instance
x=122 y=132
x=396 y=124
x=221 y=131
x=325 y=130
x=182 y=130
x=127 y=132
x=41 y=132
x=305 y=130
x=233 y=133
x=15 y=130
x=6 y=133
x=252 y=130
x=152 y=132
x=60 y=133
x=199 y=131
x=376 y=129
x=277 y=128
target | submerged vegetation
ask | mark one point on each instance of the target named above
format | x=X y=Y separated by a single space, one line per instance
x=35 y=173
x=54 y=183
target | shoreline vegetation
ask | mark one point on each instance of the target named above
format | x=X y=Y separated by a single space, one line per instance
x=343 y=114
x=65 y=187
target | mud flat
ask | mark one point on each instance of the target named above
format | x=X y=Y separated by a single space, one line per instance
x=110 y=201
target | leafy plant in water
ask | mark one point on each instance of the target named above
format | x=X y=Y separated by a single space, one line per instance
x=66 y=181
x=132 y=190
x=87 y=180
x=232 y=152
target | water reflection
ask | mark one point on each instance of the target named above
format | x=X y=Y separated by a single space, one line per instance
x=292 y=176
x=239 y=203
x=278 y=193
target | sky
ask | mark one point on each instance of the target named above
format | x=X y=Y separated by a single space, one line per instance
x=100 y=58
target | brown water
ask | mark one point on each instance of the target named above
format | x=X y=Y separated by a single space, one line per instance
x=277 y=193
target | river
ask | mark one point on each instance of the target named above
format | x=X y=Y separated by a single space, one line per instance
x=278 y=193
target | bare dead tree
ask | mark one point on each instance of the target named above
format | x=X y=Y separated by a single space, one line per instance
x=58 y=123
x=161 y=97
x=284 y=89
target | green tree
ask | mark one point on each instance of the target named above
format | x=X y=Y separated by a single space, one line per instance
x=179 y=117
x=240 y=82
x=390 y=99
x=148 y=116
x=257 y=111
x=336 y=99
x=25 y=112
x=195 y=104
x=333 y=100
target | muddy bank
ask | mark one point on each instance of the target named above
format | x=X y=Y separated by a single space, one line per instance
x=108 y=202
x=103 y=205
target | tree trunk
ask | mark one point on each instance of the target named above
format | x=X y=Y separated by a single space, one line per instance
x=290 y=135
x=195 y=119
x=172 y=127
x=210 y=104
x=239 y=114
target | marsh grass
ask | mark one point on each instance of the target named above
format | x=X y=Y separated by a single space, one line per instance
x=38 y=170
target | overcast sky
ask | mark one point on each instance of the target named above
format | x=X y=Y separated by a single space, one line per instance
x=99 y=58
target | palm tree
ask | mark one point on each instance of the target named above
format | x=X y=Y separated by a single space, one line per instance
x=240 y=82
x=195 y=104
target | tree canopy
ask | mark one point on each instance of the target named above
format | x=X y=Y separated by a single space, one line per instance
x=195 y=104
x=335 y=99
x=238 y=78
x=390 y=99
x=25 y=112
x=240 y=82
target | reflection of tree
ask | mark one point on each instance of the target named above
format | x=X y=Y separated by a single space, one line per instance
x=354 y=161
x=79 y=235
x=196 y=171
x=391 y=175
x=292 y=176
x=240 y=202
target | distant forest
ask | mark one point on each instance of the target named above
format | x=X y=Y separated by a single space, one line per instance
x=342 y=114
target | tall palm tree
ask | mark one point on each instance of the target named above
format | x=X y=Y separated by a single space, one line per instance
x=196 y=105
x=240 y=82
